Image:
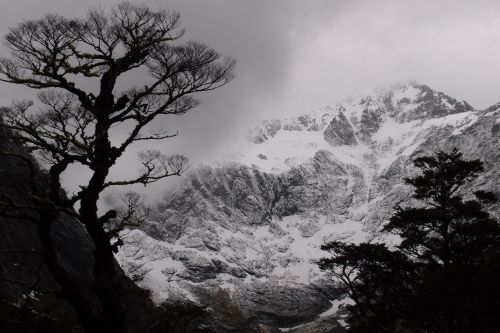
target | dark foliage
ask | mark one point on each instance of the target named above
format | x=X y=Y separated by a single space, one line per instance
x=443 y=277
x=377 y=279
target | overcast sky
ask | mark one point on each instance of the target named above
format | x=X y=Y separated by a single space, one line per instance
x=297 y=55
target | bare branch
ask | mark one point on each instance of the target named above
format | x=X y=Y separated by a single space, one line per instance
x=157 y=135
x=155 y=166
x=73 y=126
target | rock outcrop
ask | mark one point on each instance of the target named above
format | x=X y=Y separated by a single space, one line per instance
x=29 y=300
x=340 y=131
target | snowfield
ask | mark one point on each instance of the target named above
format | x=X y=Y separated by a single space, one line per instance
x=253 y=221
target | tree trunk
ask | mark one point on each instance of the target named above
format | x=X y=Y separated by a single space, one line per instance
x=108 y=277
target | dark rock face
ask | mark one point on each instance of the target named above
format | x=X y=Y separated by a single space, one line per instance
x=370 y=122
x=232 y=194
x=432 y=104
x=22 y=267
x=197 y=268
x=20 y=260
x=282 y=306
x=340 y=131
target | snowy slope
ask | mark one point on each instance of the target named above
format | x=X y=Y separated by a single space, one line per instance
x=253 y=222
x=383 y=123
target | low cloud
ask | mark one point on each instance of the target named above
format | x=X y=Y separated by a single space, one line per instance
x=294 y=56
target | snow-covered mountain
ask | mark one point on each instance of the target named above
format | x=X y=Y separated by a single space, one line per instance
x=253 y=222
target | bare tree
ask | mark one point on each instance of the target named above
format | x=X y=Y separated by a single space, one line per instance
x=132 y=212
x=72 y=126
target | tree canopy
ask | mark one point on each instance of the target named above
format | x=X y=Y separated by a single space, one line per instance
x=71 y=125
x=443 y=276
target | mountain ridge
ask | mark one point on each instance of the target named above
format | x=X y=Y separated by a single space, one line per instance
x=253 y=223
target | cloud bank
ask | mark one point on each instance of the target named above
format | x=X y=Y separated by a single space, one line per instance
x=294 y=56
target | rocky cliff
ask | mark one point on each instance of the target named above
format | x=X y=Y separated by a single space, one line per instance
x=253 y=222
x=29 y=294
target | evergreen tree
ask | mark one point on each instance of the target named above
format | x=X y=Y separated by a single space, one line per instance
x=376 y=279
x=457 y=242
x=443 y=277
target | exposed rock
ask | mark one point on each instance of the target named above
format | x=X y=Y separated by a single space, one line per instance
x=283 y=306
x=198 y=268
x=262 y=156
x=340 y=131
x=22 y=267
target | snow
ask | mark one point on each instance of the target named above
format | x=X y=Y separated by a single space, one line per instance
x=142 y=249
x=295 y=146
x=332 y=311
x=295 y=143
x=292 y=147
x=343 y=323
x=285 y=150
x=336 y=304
x=307 y=249
x=407 y=91
x=155 y=256
x=403 y=138
x=394 y=130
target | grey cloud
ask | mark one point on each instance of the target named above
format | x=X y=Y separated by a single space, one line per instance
x=295 y=55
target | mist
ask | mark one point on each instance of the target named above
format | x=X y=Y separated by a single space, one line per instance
x=296 y=56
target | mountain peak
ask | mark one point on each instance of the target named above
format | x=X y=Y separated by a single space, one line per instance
x=382 y=124
x=360 y=117
x=405 y=102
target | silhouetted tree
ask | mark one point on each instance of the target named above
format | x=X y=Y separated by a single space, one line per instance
x=70 y=125
x=378 y=280
x=443 y=277
x=456 y=240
